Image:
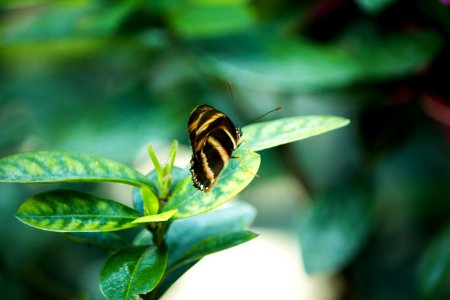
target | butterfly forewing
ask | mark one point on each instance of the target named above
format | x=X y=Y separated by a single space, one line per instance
x=213 y=139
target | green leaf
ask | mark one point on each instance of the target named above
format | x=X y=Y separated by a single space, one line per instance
x=434 y=275
x=61 y=166
x=334 y=229
x=374 y=6
x=270 y=134
x=204 y=19
x=279 y=63
x=185 y=233
x=214 y=244
x=234 y=178
x=132 y=271
x=435 y=11
x=143 y=238
x=150 y=201
x=168 y=167
x=108 y=241
x=158 y=168
x=76 y=19
x=178 y=174
x=156 y=218
x=66 y=210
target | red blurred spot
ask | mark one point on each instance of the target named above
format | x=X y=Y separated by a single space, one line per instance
x=437 y=108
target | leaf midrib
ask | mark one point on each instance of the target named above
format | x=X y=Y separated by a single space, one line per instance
x=127 y=293
x=76 y=215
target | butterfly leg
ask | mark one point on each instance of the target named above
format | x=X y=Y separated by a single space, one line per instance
x=242 y=163
x=245 y=167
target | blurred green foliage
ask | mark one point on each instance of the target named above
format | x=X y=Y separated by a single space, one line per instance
x=107 y=77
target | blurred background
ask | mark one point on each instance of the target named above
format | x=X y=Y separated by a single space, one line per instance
x=363 y=210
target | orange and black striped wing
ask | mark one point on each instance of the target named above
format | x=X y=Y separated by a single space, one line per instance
x=213 y=139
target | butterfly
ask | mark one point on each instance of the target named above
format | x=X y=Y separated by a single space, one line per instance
x=213 y=138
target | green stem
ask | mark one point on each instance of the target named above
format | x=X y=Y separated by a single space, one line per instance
x=159 y=229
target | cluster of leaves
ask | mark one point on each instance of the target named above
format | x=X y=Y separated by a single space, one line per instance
x=175 y=234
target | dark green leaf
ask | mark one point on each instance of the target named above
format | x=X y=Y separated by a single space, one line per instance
x=132 y=271
x=66 y=210
x=73 y=20
x=218 y=242
x=143 y=238
x=434 y=276
x=274 y=63
x=234 y=178
x=184 y=234
x=108 y=241
x=334 y=229
x=374 y=6
x=436 y=11
x=270 y=134
x=61 y=166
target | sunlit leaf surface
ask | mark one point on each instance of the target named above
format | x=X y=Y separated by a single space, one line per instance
x=156 y=217
x=61 y=166
x=270 y=134
x=66 y=210
x=235 y=177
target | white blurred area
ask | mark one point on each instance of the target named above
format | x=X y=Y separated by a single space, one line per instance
x=268 y=267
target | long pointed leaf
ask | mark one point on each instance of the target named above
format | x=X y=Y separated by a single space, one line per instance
x=132 y=271
x=335 y=228
x=156 y=217
x=185 y=233
x=66 y=210
x=62 y=166
x=270 y=134
x=214 y=244
x=434 y=271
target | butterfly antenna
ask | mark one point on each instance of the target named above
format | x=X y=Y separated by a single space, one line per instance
x=265 y=114
x=234 y=104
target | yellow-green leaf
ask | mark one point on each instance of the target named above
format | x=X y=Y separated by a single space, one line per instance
x=150 y=201
x=239 y=172
x=67 y=210
x=156 y=218
x=270 y=134
x=62 y=166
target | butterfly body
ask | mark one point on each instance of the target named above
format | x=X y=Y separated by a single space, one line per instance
x=213 y=138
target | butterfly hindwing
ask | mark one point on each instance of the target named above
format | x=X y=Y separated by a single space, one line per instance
x=213 y=138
